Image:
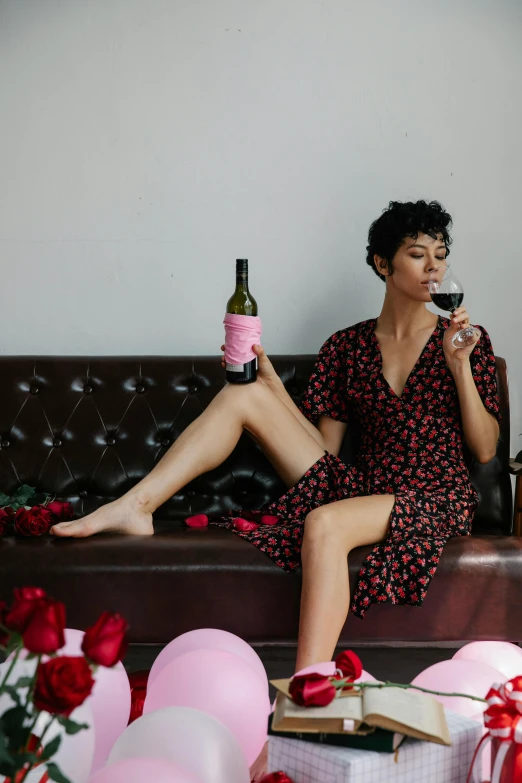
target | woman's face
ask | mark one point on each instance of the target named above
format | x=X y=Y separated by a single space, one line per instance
x=412 y=264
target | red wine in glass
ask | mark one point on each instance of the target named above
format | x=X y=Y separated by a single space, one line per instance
x=447 y=293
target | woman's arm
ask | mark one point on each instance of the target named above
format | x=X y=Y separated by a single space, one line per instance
x=481 y=430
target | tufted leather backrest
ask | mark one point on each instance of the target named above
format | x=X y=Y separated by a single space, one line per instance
x=88 y=428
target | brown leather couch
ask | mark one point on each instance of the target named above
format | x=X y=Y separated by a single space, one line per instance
x=88 y=428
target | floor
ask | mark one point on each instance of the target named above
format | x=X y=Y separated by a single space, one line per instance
x=399 y=664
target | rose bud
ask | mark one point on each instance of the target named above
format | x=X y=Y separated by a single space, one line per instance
x=62 y=511
x=35 y=521
x=26 y=601
x=311 y=690
x=350 y=665
x=44 y=633
x=105 y=642
x=62 y=684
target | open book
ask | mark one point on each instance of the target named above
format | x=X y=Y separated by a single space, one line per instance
x=411 y=713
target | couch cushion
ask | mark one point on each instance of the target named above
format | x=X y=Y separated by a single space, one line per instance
x=181 y=579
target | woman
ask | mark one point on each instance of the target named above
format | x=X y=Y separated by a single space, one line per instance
x=420 y=400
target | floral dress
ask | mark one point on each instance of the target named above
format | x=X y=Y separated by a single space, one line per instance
x=412 y=447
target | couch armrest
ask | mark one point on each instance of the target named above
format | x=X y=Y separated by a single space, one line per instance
x=515 y=468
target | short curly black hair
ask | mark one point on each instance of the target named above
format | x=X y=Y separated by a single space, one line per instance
x=406 y=219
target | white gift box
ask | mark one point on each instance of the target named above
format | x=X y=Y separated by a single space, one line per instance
x=414 y=761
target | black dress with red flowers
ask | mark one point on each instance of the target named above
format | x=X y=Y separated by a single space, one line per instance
x=411 y=447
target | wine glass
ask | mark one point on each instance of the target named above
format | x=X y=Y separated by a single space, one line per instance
x=447 y=293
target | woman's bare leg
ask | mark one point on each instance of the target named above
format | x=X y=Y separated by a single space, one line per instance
x=202 y=446
x=331 y=532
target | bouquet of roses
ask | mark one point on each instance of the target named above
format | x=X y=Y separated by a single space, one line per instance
x=28 y=513
x=32 y=628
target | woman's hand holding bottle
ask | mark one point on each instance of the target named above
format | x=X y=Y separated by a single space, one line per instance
x=265 y=370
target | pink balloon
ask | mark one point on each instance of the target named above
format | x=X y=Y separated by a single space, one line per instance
x=220 y=684
x=141 y=770
x=208 y=639
x=110 y=700
x=503 y=656
x=473 y=677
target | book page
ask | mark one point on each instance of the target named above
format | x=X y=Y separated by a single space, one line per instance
x=410 y=708
x=349 y=708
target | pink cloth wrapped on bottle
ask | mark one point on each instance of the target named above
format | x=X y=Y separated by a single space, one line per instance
x=241 y=333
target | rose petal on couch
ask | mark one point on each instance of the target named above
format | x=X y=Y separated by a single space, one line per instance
x=244 y=525
x=199 y=520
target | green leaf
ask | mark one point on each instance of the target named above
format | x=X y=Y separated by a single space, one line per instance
x=15 y=641
x=7 y=768
x=50 y=749
x=40 y=499
x=4 y=499
x=70 y=726
x=56 y=774
x=12 y=723
x=23 y=493
x=23 y=682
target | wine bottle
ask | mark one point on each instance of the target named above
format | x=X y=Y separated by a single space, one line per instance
x=242 y=303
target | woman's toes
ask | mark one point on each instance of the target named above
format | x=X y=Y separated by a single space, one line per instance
x=76 y=528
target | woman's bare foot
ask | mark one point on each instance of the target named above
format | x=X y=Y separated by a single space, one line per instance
x=260 y=765
x=126 y=515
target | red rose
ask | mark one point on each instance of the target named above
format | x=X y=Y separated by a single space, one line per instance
x=350 y=665
x=138 y=685
x=276 y=777
x=62 y=684
x=44 y=631
x=200 y=520
x=60 y=510
x=311 y=690
x=26 y=601
x=35 y=521
x=105 y=642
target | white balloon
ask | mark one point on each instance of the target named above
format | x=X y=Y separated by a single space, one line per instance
x=196 y=741
x=76 y=751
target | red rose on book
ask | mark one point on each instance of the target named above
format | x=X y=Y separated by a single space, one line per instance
x=44 y=633
x=105 y=642
x=26 y=601
x=35 y=521
x=62 y=684
x=350 y=664
x=311 y=690
x=276 y=777
x=62 y=511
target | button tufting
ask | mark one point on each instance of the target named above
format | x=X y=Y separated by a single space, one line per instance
x=140 y=389
x=83 y=493
x=34 y=389
x=5 y=444
x=165 y=442
x=192 y=389
x=57 y=442
x=87 y=389
x=111 y=441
